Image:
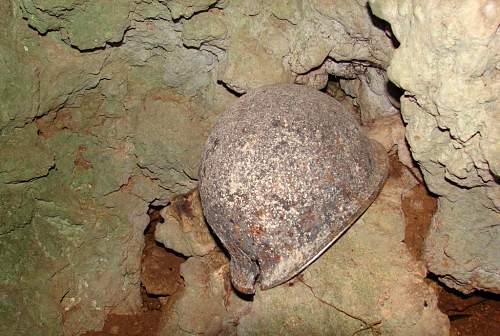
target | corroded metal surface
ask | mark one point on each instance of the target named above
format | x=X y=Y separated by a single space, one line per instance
x=285 y=172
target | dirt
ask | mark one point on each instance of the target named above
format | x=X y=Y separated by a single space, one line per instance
x=395 y=167
x=418 y=208
x=146 y=323
x=161 y=281
x=470 y=315
x=160 y=268
x=477 y=314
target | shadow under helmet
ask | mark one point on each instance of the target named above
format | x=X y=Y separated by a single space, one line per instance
x=286 y=170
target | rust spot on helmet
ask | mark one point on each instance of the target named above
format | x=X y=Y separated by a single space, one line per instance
x=256 y=231
x=295 y=170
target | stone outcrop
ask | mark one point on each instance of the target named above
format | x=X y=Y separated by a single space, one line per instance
x=448 y=66
x=84 y=25
x=88 y=141
x=207 y=305
x=104 y=111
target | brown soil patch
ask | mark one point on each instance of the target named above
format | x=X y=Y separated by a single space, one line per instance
x=396 y=168
x=144 y=324
x=160 y=268
x=418 y=209
x=471 y=315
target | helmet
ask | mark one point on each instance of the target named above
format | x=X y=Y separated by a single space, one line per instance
x=286 y=170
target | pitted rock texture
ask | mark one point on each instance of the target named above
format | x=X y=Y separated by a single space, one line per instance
x=370 y=89
x=286 y=170
x=451 y=111
x=351 y=289
x=104 y=111
x=85 y=25
x=390 y=132
x=88 y=141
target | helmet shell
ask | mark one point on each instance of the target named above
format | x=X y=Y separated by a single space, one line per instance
x=286 y=170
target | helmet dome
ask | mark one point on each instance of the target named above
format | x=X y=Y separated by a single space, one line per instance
x=286 y=170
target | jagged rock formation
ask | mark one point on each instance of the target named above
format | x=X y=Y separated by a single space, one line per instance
x=451 y=110
x=105 y=106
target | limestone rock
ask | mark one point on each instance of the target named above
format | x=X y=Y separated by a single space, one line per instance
x=173 y=154
x=186 y=8
x=368 y=87
x=371 y=93
x=208 y=27
x=77 y=146
x=156 y=11
x=71 y=231
x=195 y=78
x=18 y=88
x=333 y=89
x=172 y=104
x=454 y=246
x=249 y=38
x=355 y=36
x=23 y=158
x=289 y=10
x=280 y=40
x=207 y=304
x=86 y=25
x=184 y=229
x=149 y=38
x=56 y=65
x=317 y=79
x=16 y=208
x=451 y=110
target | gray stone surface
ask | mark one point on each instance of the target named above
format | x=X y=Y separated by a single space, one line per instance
x=370 y=91
x=85 y=25
x=85 y=149
x=186 y=8
x=207 y=305
x=451 y=111
x=390 y=132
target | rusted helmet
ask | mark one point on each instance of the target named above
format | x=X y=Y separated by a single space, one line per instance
x=286 y=170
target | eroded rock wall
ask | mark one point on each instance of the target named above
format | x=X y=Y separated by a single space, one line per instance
x=102 y=113
x=104 y=110
x=448 y=63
